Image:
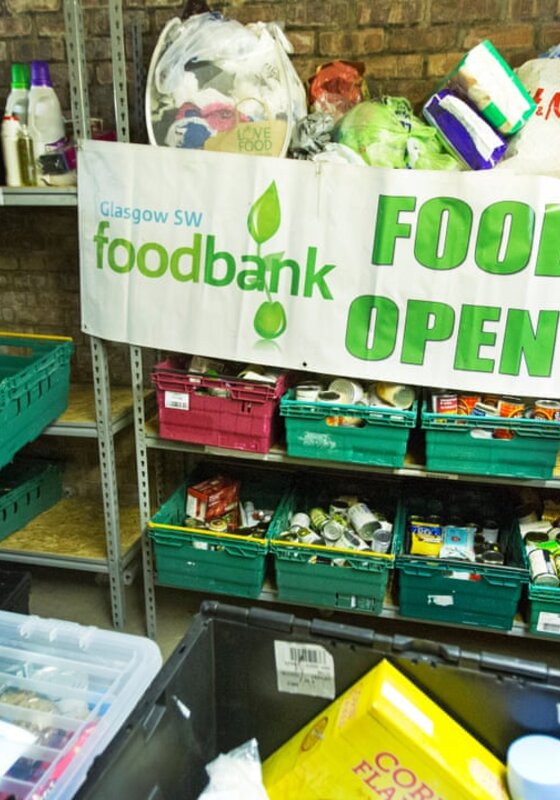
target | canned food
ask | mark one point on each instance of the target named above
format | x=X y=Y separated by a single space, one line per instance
x=467 y=402
x=318 y=517
x=218 y=525
x=308 y=391
x=547 y=409
x=381 y=541
x=306 y=536
x=490 y=530
x=542 y=567
x=339 y=507
x=329 y=397
x=495 y=557
x=349 y=391
x=333 y=529
x=532 y=538
x=511 y=407
x=351 y=541
x=484 y=410
x=444 y=403
x=301 y=518
x=363 y=520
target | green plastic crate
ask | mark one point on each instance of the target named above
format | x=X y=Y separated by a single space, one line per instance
x=34 y=384
x=457 y=443
x=205 y=561
x=27 y=488
x=541 y=605
x=543 y=616
x=361 y=584
x=380 y=439
x=446 y=590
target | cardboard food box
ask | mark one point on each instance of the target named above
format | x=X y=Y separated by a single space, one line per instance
x=212 y=498
x=384 y=738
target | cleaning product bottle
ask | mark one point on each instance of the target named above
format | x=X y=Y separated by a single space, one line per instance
x=45 y=120
x=17 y=103
x=10 y=132
x=26 y=157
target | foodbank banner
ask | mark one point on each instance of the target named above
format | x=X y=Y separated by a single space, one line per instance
x=450 y=280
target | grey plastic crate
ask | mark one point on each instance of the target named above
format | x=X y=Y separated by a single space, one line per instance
x=224 y=673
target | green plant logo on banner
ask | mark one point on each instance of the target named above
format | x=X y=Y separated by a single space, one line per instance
x=263 y=222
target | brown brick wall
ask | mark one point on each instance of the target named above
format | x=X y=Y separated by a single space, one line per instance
x=406 y=46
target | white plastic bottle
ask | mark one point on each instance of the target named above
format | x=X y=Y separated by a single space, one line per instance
x=45 y=120
x=17 y=103
x=10 y=133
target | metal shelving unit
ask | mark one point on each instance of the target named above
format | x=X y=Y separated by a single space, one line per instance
x=104 y=423
x=148 y=439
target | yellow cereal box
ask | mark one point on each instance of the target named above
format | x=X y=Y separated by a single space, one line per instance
x=384 y=738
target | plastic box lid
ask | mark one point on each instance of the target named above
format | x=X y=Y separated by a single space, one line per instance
x=65 y=690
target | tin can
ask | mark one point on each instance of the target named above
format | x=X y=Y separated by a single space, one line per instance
x=547 y=409
x=308 y=391
x=350 y=392
x=494 y=557
x=542 y=568
x=301 y=518
x=467 y=402
x=306 y=536
x=363 y=520
x=381 y=541
x=329 y=397
x=490 y=531
x=484 y=410
x=445 y=403
x=511 y=407
x=333 y=529
x=533 y=538
x=218 y=525
x=318 y=517
x=339 y=507
x=351 y=541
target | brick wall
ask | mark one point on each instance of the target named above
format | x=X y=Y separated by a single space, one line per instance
x=406 y=45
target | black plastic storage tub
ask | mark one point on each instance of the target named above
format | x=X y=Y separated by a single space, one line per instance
x=219 y=689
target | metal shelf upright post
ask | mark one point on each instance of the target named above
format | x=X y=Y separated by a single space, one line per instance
x=101 y=380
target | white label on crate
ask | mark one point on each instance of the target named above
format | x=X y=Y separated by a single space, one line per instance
x=177 y=400
x=1 y=197
x=304 y=669
x=459 y=575
x=548 y=623
x=440 y=600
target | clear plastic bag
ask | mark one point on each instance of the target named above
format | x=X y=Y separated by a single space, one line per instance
x=236 y=775
x=216 y=84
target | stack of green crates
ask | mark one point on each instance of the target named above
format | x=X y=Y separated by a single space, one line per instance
x=34 y=386
x=342 y=432
x=457 y=591
x=207 y=561
x=310 y=575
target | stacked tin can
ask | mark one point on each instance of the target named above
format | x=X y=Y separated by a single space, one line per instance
x=345 y=523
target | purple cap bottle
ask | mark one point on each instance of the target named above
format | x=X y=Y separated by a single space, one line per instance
x=40 y=74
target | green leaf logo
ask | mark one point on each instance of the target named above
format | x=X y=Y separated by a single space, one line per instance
x=264 y=216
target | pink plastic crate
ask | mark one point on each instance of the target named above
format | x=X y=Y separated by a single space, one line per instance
x=244 y=418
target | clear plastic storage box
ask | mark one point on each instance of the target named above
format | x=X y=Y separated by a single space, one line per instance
x=65 y=690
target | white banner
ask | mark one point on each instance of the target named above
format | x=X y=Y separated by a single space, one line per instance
x=428 y=278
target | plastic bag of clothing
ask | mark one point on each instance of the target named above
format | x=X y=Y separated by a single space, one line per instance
x=215 y=84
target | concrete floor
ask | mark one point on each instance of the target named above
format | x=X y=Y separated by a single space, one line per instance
x=84 y=598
